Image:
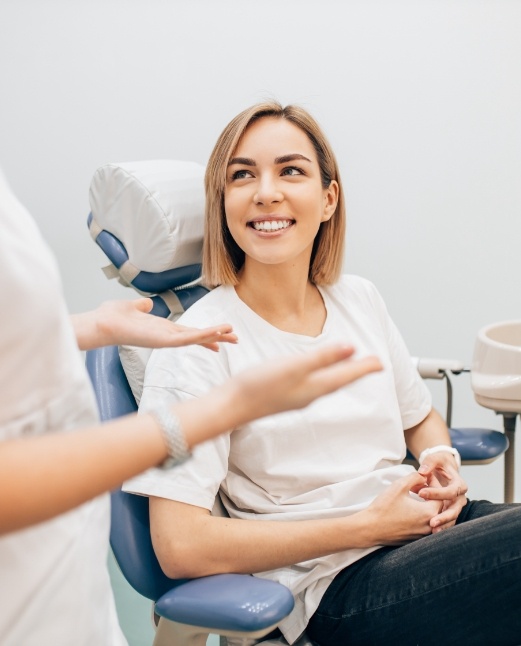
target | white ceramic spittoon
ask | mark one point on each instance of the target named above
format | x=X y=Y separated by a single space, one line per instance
x=496 y=379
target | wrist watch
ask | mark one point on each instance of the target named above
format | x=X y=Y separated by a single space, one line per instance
x=178 y=451
x=437 y=449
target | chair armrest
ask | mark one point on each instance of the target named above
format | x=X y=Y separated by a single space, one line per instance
x=227 y=602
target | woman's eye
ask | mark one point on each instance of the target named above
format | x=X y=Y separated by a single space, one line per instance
x=241 y=174
x=292 y=170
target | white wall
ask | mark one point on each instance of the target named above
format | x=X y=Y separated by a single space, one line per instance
x=421 y=99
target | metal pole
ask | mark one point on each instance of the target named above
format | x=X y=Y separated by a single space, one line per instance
x=509 y=425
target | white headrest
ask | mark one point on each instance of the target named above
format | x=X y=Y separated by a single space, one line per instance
x=154 y=208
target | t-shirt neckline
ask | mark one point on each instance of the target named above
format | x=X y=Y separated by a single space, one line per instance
x=272 y=329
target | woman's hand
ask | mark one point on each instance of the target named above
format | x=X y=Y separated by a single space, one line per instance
x=444 y=484
x=398 y=516
x=128 y=322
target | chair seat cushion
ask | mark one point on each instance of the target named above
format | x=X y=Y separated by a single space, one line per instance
x=478 y=444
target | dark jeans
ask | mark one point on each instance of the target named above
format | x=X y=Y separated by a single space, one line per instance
x=460 y=586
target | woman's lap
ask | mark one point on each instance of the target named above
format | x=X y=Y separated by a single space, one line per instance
x=459 y=586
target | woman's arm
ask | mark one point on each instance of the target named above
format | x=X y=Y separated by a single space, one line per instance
x=189 y=542
x=43 y=476
x=129 y=323
x=431 y=431
x=441 y=470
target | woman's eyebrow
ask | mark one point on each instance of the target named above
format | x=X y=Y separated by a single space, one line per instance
x=245 y=161
x=289 y=158
x=284 y=159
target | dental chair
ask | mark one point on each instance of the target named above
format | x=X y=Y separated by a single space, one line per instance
x=147 y=217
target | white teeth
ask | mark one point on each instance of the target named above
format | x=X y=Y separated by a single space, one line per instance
x=271 y=225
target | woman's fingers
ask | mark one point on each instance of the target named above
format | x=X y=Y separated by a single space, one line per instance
x=448 y=517
x=400 y=515
x=449 y=492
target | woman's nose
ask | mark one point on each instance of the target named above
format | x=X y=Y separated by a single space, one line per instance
x=268 y=192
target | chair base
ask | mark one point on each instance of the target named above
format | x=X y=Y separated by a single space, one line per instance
x=172 y=633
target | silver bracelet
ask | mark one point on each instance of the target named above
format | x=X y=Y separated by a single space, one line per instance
x=441 y=447
x=178 y=451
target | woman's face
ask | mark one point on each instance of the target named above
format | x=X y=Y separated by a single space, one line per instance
x=274 y=200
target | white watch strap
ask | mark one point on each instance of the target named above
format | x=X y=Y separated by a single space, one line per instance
x=437 y=449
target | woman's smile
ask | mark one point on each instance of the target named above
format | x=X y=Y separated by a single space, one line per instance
x=271 y=225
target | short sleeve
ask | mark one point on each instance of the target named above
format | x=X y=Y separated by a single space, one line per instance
x=414 y=398
x=196 y=482
x=181 y=375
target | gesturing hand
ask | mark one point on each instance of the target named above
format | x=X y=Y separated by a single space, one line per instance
x=128 y=322
x=295 y=382
x=444 y=483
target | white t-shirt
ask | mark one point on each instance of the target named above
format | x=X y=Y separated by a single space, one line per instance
x=54 y=585
x=329 y=460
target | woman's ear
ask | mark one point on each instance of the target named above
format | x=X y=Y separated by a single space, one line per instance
x=330 y=200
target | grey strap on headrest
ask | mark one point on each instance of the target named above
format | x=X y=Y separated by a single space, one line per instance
x=125 y=274
x=94 y=229
x=127 y=271
x=110 y=271
x=173 y=303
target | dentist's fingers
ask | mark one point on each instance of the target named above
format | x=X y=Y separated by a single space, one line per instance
x=295 y=382
x=335 y=369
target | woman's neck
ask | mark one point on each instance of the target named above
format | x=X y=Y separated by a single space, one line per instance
x=283 y=296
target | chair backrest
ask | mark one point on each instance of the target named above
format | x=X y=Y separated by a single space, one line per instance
x=129 y=533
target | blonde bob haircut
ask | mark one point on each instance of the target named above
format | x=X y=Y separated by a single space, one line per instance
x=222 y=257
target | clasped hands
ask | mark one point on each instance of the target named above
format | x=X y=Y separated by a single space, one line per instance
x=443 y=484
x=424 y=502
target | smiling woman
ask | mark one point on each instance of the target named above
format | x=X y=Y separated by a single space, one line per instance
x=303 y=154
x=269 y=199
x=274 y=211
x=321 y=500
